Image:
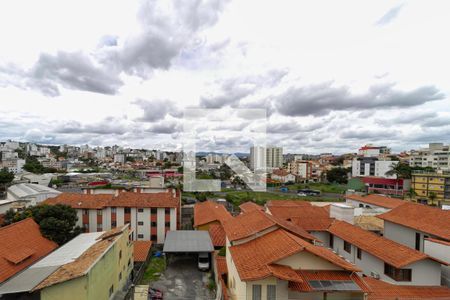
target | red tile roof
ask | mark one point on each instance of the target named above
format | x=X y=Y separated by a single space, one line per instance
x=380 y=290
x=221 y=263
x=446 y=243
x=209 y=211
x=378 y=200
x=309 y=275
x=217 y=235
x=280 y=172
x=255 y=259
x=308 y=217
x=248 y=224
x=420 y=217
x=385 y=249
x=125 y=199
x=21 y=244
x=288 y=203
x=249 y=206
x=143 y=200
x=83 y=201
x=141 y=250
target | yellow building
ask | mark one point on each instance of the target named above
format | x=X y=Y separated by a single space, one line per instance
x=94 y=266
x=429 y=185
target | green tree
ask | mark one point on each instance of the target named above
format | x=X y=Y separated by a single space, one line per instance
x=6 y=178
x=411 y=193
x=33 y=165
x=56 y=222
x=402 y=170
x=338 y=175
x=432 y=197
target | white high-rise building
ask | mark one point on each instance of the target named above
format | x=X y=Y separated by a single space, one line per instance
x=436 y=155
x=257 y=158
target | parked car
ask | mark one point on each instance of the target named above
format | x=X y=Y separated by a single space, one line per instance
x=302 y=194
x=203 y=261
x=155 y=294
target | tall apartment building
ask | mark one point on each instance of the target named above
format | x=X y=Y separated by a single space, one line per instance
x=257 y=158
x=301 y=168
x=274 y=157
x=436 y=156
x=150 y=215
x=431 y=183
x=266 y=158
x=371 y=166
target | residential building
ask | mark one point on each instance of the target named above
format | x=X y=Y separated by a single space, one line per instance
x=22 y=244
x=431 y=187
x=441 y=250
x=150 y=215
x=119 y=158
x=303 y=169
x=93 y=266
x=437 y=156
x=382 y=258
x=274 y=157
x=373 y=151
x=410 y=224
x=380 y=203
x=265 y=260
x=257 y=158
x=372 y=166
x=387 y=186
x=250 y=206
x=211 y=216
x=282 y=176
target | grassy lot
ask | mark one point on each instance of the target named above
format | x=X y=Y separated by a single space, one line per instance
x=156 y=266
x=324 y=188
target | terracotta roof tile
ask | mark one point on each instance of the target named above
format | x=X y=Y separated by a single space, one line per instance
x=310 y=218
x=209 y=211
x=141 y=250
x=280 y=172
x=380 y=290
x=287 y=203
x=420 y=217
x=125 y=199
x=21 y=244
x=310 y=275
x=385 y=249
x=217 y=234
x=377 y=200
x=248 y=224
x=446 y=243
x=83 y=201
x=249 y=206
x=221 y=262
x=273 y=247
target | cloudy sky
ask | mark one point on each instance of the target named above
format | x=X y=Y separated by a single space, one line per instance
x=331 y=75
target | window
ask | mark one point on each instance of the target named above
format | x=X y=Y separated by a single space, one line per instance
x=153 y=237
x=127 y=210
x=167 y=211
x=120 y=276
x=113 y=223
x=271 y=292
x=99 y=227
x=358 y=253
x=85 y=211
x=167 y=224
x=99 y=212
x=347 y=247
x=331 y=241
x=417 y=241
x=113 y=210
x=140 y=223
x=140 y=210
x=256 y=292
x=361 y=205
x=397 y=274
x=120 y=254
x=111 y=290
x=153 y=211
x=140 y=236
x=153 y=224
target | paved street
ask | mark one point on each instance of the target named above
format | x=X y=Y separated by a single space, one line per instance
x=182 y=280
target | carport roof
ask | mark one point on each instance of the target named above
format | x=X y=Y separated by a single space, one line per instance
x=188 y=241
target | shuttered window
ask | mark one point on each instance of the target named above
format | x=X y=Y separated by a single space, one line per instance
x=256 y=292
x=271 y=292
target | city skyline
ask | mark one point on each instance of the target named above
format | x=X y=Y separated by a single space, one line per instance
x=376 y=76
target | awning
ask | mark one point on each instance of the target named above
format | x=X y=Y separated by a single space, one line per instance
x=188 y=241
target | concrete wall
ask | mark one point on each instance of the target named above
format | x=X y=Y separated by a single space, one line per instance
x=160 y=225
x=442 y=252
x=307 y=261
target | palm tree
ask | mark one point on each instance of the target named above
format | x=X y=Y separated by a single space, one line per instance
x=411 y=193
x=402 y=170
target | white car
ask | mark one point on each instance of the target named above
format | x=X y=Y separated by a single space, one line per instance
x=203 y=261
x=302 y=194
